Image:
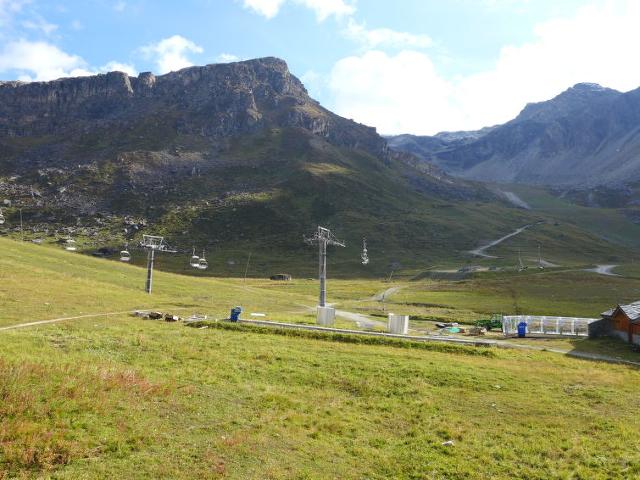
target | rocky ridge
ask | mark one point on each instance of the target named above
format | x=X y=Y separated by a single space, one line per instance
x=586 y=136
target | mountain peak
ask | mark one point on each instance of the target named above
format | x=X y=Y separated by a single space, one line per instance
x=578 y=97
x=586 y=86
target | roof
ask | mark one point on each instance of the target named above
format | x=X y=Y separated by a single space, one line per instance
x=631 y=310
x=608 y=313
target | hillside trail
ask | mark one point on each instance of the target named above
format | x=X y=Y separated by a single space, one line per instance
x=604 y=270
x=360 y=320
x=516 y=200
x=385 y=294
x=62 y=319
x=480 y=251
x=77 y=317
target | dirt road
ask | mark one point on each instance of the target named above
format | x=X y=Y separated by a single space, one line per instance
x=480 y=251
x=604 y=270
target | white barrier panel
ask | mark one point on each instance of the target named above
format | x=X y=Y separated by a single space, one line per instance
x=542 y=325
x=326 y=316
x=398 y=324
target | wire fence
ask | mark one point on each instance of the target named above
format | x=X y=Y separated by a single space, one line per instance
x=542 y=325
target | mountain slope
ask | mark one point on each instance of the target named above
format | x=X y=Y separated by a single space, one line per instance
x=586 y=136
x=235 y=158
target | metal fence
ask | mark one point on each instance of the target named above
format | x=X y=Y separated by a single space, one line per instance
x=540 y=325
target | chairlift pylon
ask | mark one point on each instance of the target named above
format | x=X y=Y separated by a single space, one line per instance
x=540 y=264
x=125 y=256
x=521 y=265
x=195 y=260
x=364 y=256
x=203 y=264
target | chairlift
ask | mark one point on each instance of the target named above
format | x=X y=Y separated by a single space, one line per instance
x=125 y=256
x=521 y=265
x=203 y=264
x=70 y=245
x=364 y=256
x=1 y=217
x=195 y=260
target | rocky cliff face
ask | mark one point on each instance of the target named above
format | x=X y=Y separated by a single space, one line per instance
x=214 y=101
x=586 y=136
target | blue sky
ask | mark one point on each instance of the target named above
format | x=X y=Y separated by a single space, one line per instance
x=416 y=66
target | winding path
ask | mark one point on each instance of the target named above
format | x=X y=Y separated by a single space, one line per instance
x=77 y=317
x=480 y=251
x=379 y=297
x=604 y=270
x=360 y=320
x=62 y=319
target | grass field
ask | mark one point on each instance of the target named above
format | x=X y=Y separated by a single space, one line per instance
x=122 y=397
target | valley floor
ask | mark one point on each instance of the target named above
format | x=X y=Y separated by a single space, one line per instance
x=121 y=397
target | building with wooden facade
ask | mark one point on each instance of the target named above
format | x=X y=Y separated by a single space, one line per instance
x=624 y=322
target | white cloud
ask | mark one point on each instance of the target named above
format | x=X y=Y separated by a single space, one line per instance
x=170 y=54
x=266 y=8
x=394 y=93
x=9 y=8
x=314 y=82
x=39 y=61
x=40 y=24
x=384 y=37
x=42 y=61
x=227 y=58
x=120 y=6
x=323 y=9
x=327 y=8
x=405 y=93
x=118 y=67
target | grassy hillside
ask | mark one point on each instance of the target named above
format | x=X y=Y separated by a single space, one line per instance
x=607 y=223
x=118 y=396
x=265 y=191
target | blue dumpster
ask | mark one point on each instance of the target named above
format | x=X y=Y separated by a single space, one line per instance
x=235 y=314
x=522 y=329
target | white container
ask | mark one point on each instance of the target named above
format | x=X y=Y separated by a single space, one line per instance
x=399 y=324
x=326 y=316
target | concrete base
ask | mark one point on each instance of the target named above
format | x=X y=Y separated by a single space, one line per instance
x=326 y=316
x=398 y=324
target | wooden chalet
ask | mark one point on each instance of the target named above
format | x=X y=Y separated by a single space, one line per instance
x=624 y=322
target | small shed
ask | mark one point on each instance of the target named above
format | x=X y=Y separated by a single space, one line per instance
x=283 y=277
x=624 y=322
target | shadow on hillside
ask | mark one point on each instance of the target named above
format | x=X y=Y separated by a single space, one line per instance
x=613 y=348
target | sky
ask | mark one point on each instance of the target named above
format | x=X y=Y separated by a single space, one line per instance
x=403 y=66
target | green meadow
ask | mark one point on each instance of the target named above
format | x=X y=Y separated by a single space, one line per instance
x=121 y=397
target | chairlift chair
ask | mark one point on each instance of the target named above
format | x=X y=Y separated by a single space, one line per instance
x=70 y=245
x=125 y=256
x=195 y=260
x=203 y=264
x=1 y=217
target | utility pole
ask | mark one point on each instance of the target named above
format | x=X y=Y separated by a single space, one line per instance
x=323 y=237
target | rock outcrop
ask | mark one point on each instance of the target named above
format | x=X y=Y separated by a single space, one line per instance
x=213 y=101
